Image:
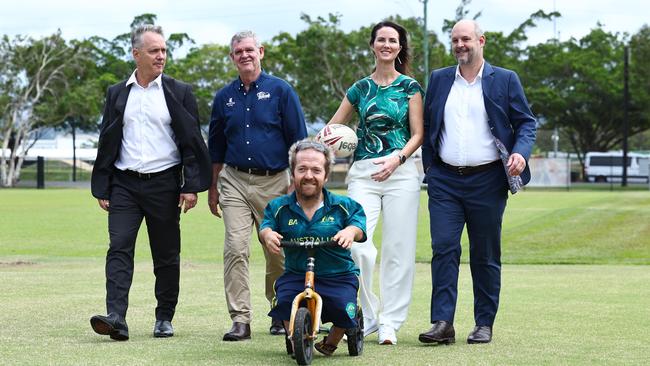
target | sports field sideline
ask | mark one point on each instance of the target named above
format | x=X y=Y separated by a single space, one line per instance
x=575 y=289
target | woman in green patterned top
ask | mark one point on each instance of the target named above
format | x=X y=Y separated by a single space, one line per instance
x=383 y=178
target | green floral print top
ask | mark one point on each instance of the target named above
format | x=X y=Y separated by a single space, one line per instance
x=383 y=115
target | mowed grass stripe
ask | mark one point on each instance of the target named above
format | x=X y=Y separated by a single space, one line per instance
x=549 y=314
x=577 y=227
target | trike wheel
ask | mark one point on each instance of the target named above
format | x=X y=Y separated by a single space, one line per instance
x=355 y=336
x=303 y=343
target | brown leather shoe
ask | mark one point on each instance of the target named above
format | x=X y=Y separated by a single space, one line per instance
x=441 y=332
x=325 y=348
x=480 y=334
x=238 y=332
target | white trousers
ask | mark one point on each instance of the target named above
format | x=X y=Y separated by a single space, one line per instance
x=398 y=199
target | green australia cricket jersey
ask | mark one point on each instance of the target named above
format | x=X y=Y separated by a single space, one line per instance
x=284 y=216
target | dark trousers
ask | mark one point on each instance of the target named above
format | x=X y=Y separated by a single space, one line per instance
x=155 y=200
x=478 y=201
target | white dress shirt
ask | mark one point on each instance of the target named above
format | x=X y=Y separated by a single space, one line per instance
x=147 y=137
x=465 y=138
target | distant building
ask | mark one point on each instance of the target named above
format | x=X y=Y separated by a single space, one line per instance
x=53 y=144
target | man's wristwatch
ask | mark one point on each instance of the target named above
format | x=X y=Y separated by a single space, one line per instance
x=402 y=159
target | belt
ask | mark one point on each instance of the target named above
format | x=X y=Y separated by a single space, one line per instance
x=469 y=170
x=256 y=171
x=147 y=176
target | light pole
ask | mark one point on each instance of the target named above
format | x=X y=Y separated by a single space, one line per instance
x=425 y=43
x=626 y=107
x=556 y=138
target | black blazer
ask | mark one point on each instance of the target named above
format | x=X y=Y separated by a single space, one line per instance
x=195 y=159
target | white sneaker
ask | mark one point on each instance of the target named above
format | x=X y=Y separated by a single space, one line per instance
x=369 y=326
x=387 y=335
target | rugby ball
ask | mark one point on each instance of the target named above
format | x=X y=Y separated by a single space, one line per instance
x=340 y=138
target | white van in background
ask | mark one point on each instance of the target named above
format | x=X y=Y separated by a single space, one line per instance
x=608 y=167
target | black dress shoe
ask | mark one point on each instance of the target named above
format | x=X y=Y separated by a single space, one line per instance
x=480 y=334
x=238 y=332
x=163 y=329
x=112 y=325
x=277 y=327
x=441 y=332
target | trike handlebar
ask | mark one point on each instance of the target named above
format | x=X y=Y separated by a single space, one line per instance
x=309 y=244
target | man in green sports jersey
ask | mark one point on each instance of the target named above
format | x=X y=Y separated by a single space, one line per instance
x=313 y=213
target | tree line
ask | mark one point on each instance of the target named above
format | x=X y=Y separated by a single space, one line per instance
x=574 y=85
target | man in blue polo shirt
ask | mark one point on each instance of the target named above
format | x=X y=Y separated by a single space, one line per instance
x=255 y=119
x=313 y=213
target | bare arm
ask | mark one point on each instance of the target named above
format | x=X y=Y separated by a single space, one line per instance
x=103 y=204
x=416 y=125
x=516 y=164
x=344 y=113
x=187 y=201
x=271 y=239
x=347 y=236
x=213 y=193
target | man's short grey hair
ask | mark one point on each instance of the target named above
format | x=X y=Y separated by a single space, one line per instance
x=242 y=35
x=140 y=30
x=310 y=144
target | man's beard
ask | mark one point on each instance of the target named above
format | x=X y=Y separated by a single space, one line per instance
x=465 y=57
x=314 y=192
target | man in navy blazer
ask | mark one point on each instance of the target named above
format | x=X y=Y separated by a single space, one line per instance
x=151 y=163
x=471 y=109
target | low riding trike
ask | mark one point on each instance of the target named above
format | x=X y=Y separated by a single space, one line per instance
x=306 y=312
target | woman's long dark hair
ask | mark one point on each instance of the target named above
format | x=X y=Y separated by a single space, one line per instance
x=403 y=57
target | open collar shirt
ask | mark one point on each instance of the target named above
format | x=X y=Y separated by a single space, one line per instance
x=148 y=141
x=465 y=138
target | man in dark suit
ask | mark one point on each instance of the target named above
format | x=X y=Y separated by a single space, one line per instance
x=479 y=133
x=151 y=162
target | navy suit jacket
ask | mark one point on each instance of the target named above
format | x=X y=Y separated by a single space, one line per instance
x=181 y=103
x=509 y=115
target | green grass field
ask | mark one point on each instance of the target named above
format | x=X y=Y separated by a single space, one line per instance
x=575 y=288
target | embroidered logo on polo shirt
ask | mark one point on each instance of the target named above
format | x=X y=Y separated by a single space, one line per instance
x=327 y=219
x=263 y=95
x=351 y=309
x=292 y=222
x=230 y=102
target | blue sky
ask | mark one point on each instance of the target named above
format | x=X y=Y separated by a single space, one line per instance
x=215 y=21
